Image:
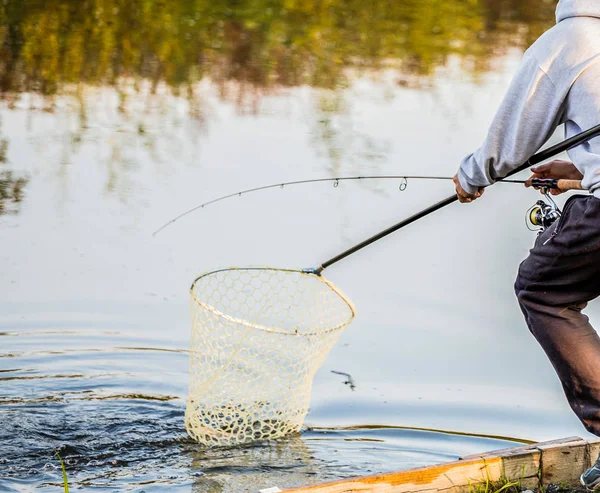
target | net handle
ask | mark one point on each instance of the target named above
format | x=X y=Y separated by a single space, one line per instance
x=535 y=159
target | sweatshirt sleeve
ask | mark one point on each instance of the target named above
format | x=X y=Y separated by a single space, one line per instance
x=529 y=114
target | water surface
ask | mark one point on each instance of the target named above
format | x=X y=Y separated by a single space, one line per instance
x=116 y=116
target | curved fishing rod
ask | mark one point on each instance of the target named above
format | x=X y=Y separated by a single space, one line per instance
x=336 y=180
x=535 y=159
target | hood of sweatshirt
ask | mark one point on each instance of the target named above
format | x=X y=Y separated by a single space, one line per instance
x=577 y=8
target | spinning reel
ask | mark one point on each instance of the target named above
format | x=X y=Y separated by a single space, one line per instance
x=542 y=215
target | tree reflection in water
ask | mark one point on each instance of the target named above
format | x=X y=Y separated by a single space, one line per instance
x=47 y=44
x=11 y=192
x=147 y=52
x=11 y=187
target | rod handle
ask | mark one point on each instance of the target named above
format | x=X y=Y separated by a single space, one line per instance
x=566 y=185
x=554 y=184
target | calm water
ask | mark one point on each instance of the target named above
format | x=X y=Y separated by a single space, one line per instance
x=116 y=116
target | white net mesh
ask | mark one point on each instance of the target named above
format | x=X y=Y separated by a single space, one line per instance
x=258 y=338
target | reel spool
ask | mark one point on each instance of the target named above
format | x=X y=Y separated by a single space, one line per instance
x=543 y=215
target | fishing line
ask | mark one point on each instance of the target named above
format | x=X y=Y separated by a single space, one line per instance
x=336 y=181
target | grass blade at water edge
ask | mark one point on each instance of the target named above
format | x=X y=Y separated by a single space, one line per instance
x=64 y=472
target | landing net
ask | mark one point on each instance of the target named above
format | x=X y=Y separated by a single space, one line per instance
x=259 y=335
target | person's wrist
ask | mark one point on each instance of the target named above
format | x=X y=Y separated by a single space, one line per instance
x=466 y=186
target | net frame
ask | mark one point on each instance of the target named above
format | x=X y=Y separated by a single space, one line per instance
x=258 y=388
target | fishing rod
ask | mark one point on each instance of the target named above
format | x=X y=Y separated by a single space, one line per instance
x=533 y=160
x=336 y=181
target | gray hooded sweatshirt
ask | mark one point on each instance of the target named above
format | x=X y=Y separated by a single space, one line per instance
x=557 y=82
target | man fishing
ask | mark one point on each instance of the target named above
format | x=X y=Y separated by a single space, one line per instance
x=558 y=82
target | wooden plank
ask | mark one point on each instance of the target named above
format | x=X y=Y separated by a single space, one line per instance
x=523 y=466
x=499 y=453
x=523 y=448
x=593 y=451
x=454 y=477
x=555 y=461
x=564 y=463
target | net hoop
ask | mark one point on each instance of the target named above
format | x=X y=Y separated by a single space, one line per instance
x=266 y=328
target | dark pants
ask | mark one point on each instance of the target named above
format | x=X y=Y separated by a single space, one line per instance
x=561 y=274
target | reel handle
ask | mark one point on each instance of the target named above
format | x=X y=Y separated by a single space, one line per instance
x=554 y=184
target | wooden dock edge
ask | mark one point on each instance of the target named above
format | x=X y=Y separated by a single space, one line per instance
x=556 y=461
